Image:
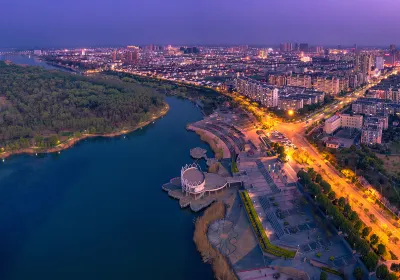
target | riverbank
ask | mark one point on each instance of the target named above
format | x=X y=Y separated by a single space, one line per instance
x=217 y=146
x=52 y=205
x=71 y=142
x=209 y=254
x=61 y=66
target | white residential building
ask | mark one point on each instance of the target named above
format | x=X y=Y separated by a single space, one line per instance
x=343 y=120
x=379 y=62
x=332 y=124
x=256 y=91
x=351 y=121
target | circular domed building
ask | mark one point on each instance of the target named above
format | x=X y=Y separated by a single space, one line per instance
x=196 y=183
x=193 y=180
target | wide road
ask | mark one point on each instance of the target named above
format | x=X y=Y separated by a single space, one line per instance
x=341 y=187
x=295 y=132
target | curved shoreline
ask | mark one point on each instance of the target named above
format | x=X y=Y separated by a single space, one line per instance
x=70 y=142
x=219 y=264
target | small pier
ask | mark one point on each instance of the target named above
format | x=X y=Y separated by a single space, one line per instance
x=198 y=153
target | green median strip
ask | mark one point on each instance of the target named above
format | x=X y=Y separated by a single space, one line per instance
x=265 y=244
x=234 y=167
x=330 y=270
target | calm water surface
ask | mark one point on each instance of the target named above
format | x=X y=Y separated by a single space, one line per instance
x=97 y=211
x=28 y=60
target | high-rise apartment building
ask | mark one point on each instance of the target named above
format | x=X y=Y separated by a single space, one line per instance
x=393 y=55
x=363 y=63
x=286 y=47
x=256 y=91
x=131 y=56
x=379 y=63
x=114 y=55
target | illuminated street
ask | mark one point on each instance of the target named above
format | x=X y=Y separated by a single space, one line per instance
x=295 y=132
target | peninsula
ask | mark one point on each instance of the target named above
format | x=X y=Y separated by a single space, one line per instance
x=47 y=111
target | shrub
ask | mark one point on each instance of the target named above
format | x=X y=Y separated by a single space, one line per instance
x=323 y=276
x=358 y=273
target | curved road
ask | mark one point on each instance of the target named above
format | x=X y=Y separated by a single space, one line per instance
x=295 y=132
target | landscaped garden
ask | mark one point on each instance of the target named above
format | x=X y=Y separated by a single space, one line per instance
x=338 y=209
x=265 y=244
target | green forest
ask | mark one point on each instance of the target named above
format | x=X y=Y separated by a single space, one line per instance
x=208 y=98
x=37 y=105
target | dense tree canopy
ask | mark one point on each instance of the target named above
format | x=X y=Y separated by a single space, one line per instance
x=35 y=102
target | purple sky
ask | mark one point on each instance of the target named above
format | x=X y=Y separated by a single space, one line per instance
x=43 y=23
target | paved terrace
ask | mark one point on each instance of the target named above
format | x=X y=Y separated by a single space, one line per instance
x=229 y=132
x=258 y=179
x=221 y=136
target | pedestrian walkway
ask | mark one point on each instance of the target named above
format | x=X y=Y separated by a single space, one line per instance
x=275 y=224
x=265 y=204
x=267 y=177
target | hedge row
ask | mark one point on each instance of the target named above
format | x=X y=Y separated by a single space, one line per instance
x=330 y=270
x=265 y=244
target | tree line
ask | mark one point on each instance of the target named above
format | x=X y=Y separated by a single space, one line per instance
x=37 y=102
x=346 y=220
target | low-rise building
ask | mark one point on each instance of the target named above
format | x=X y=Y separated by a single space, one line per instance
x=332 y=124
x=332 y=143
x=351 y=121
x=343 y=120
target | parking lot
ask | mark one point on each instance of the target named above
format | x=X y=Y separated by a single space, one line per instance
x=276 y=136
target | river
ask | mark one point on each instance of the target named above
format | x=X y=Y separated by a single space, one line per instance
x=97 y=211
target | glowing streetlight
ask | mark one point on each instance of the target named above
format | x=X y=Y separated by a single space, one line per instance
x=290 y=112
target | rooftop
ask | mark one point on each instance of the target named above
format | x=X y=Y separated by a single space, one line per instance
x=332 y=119
x=193 y=175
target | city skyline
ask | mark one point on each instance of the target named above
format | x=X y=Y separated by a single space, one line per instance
x=43 y=23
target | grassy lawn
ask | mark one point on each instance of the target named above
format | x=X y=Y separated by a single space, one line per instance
x=391 y=163
x=394 y=147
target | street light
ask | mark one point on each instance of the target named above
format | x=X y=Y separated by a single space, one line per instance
x=290 y=112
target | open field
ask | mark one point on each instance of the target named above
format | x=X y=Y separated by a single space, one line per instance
x=394 y=147
x=390 y=163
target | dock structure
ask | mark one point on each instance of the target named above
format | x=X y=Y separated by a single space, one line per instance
x=198 y=153
x=198 y=189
